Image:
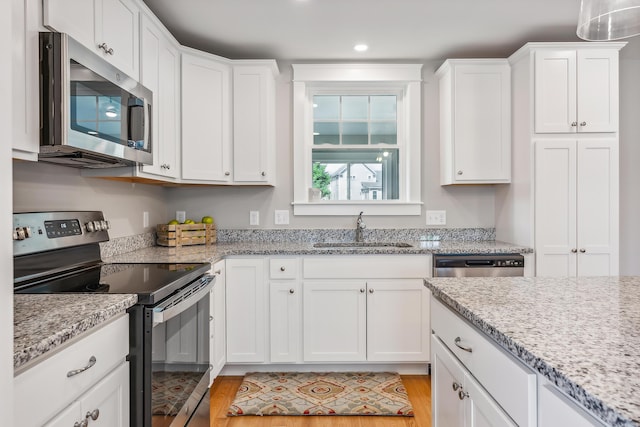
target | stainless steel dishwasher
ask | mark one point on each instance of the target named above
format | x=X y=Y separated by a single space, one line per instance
x=487 y=265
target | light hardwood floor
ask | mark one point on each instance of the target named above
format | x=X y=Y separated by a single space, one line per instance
x=418 y=388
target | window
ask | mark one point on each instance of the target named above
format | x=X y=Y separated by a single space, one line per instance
x=357 y=138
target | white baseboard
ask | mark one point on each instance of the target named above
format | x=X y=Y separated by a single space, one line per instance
x=401 y=368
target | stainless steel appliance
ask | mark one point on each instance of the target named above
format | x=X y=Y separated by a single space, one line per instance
x=57 y=252
x=468 y=265
x=91 y=114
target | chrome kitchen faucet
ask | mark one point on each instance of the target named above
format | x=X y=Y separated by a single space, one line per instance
x=360 y=226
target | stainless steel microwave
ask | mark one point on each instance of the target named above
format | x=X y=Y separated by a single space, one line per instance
x=91 y=114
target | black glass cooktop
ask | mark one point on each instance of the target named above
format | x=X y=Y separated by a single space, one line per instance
x=151 y=282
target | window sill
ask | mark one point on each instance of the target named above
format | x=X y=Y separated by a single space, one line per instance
x=327 y=208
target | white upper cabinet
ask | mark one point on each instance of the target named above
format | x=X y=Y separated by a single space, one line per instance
x=25 y=79
x=254 y=122
x=576 y=90
x=108 y=27
x=475 y=121
x=206 y=117
x=160 y=72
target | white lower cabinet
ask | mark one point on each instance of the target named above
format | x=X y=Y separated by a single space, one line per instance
x=245 y=296
x=285 y=304
x=557 y=410
x=88 y=377
x=105 y=405
x=457 y=398
x=218 y=325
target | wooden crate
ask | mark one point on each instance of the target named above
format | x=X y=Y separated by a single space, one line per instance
x=186 y=234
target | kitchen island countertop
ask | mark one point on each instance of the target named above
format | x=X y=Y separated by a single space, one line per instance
x=42 y=323
x=583 y=334
x=215 y=252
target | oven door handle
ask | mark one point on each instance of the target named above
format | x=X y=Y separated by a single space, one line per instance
x=183 y=300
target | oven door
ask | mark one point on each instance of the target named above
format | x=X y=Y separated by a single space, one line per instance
x=170 y=375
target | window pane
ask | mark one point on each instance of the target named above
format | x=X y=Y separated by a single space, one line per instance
x=383 y=107
x=362 y=174
x=355 y=133
x=83 y=108
x=326 y=133
x=384 y=133
x=355 y=107
x=109 y=108
x=326 y=107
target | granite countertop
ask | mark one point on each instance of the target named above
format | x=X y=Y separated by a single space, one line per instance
x=215 y=252
x=583 y=334
x=42 y=323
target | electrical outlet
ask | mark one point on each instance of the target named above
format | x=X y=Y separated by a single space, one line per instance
x=181 y=216
x=254 y=217
x=281 y=217
x=145 y=219
x=436 y=217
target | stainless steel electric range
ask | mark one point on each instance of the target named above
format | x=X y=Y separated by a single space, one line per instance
x=59 y=252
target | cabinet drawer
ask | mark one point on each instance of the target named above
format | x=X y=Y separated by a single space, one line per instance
x=283 y=268
x=46 y=385
x=510 y=382
x=367 y=267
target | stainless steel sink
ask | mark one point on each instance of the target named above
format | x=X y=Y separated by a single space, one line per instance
x=362 y=245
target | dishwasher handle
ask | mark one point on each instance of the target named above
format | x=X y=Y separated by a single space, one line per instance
x=480 y=263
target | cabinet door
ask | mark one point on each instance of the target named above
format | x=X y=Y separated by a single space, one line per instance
x=25 y=79
x=597 y=207
x=334 y=321
x=206 y=119
x=555 y=91
x=597 y=90
x=285 y=321
x=481 y=409
x=397 y=320
x=117 y=25
x=447 y=377
x=555 y=208
x=245 y=310
x=108 y=400
x=557 y=410
x=160 y=73
x=74 y=17
x=218 y=340
x=253 y=124
x=481 y=124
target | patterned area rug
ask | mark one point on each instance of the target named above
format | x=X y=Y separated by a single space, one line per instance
x=170 y=390
x=328 y=393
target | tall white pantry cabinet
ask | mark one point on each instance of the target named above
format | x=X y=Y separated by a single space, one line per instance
x=563 y=200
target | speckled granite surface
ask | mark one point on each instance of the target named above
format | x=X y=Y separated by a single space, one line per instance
x=583 y=334
x=218 y=251
x=44 y=322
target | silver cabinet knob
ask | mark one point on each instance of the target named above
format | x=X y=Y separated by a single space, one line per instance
x=462 y=394
x=574 y=124
x=93 y=414
x=456 y=386
x=83 y=423
x=263 y=174
x=574 y=250
x=291 y=291
x=210 y=318
x=583 y=123
x=106 y=48
x=227 y=173
x=582 y=250
x=370 y=291
x=459 y=172
x=282 y=268
x=362 y=290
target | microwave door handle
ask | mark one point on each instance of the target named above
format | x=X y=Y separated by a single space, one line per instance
x=170 y=308
x=131 y=121
x=147 y=129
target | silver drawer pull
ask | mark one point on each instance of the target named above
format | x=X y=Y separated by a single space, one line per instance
x=92 y=361
x=457 y=343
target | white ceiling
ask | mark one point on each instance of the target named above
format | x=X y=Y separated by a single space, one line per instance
x=395 y=30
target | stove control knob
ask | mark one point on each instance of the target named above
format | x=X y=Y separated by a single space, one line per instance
x=27 y=232
x=108 y=225
x=103 y=225
x=97 y=225
x=15 y=234
x=20 y=233
x=90 y=227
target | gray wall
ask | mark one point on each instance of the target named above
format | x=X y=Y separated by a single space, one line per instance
x=41 y=186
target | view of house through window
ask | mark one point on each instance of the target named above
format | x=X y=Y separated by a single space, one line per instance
x=355 y=147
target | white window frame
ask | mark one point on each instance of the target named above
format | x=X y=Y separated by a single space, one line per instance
x=311 y=79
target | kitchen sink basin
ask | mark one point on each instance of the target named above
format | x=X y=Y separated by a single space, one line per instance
x=362 y=245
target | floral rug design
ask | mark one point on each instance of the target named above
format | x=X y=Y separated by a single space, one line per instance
x=170 y=391
x=327 y=393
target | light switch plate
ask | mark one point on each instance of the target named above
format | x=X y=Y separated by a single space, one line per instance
x=254 y=217
x=281 y=217
x=436 y=217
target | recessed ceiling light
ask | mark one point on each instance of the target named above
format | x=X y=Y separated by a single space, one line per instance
x=360 y=47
